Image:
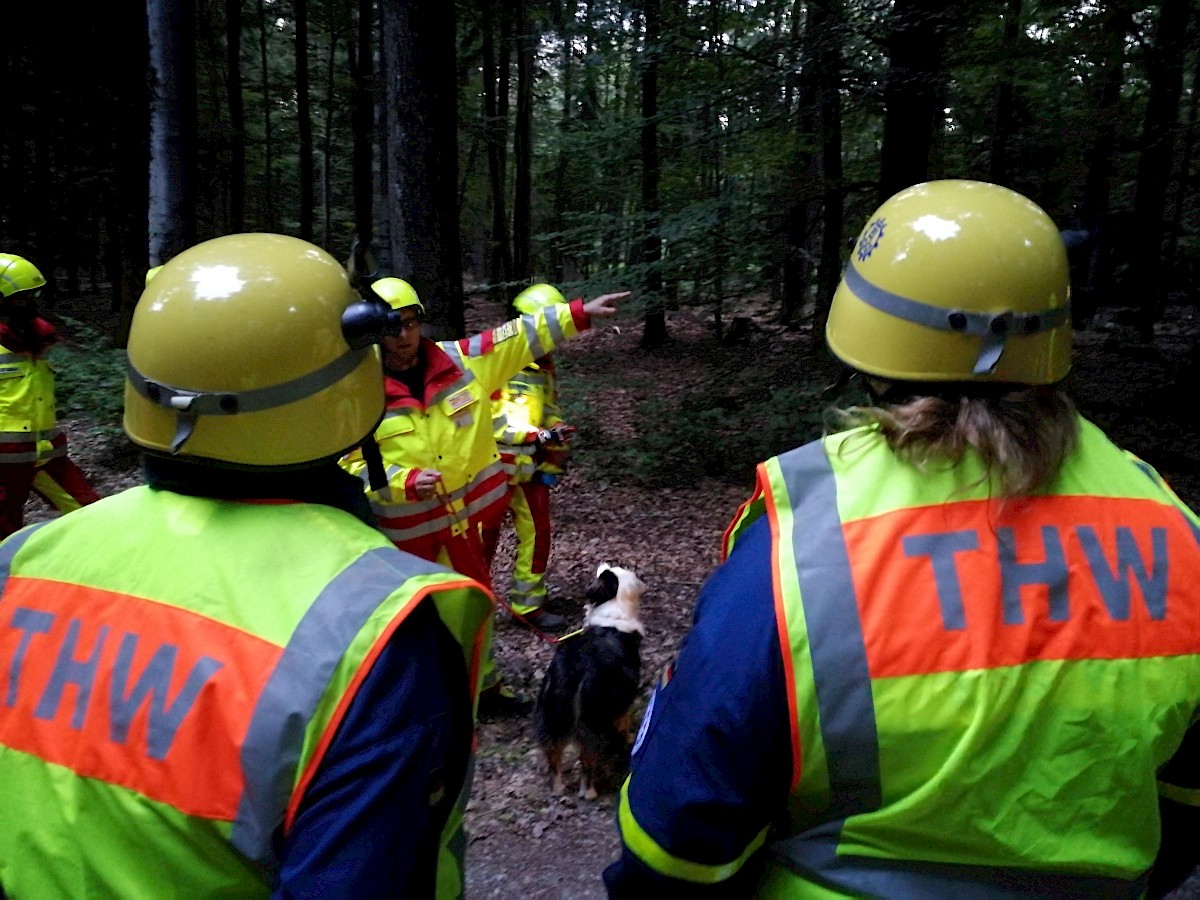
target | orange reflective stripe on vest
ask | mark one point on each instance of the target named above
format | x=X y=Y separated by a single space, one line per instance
x=932 y=608
x=149 y=686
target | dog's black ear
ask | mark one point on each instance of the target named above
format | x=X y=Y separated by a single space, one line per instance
x=603 y=588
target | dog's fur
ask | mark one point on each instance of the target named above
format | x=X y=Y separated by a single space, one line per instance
x=587 y=693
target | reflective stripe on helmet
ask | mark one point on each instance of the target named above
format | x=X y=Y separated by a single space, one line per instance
x=993 y=328
x=192 y=404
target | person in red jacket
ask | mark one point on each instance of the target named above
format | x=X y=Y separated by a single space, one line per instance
x=33 y=448
x=443 y=477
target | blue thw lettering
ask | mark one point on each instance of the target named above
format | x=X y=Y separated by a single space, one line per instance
x=69 y=670
x=29 y=622
x=1113 y=582
x=154 y=682
x=941 y=549
x=1051 y=572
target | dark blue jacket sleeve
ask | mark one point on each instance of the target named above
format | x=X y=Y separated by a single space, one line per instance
x=712 y=764
x=1179 y=851
x=370 y=822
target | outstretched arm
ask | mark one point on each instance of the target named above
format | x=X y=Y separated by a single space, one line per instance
x=496 y=356
x=604 y=306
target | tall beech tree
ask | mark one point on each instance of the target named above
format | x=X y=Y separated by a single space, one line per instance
x=172 y=214
x=422 y=145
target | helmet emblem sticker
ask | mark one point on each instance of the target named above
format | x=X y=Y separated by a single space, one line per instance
x=870 y=239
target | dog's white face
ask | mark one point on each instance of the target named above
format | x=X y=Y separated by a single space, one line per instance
x=629 y=587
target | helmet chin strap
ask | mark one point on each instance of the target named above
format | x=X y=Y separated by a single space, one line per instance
x=376 y=474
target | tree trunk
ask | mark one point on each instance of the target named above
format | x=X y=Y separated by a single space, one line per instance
x=1116 y=21
x=1002 y=123
x=13 y=66
x=523 y=152
x=566 y=32
x=264 y=21
x=1185 y=168
x=654 y=328
x=910 y=93
x=304 y=120
x=131 y=190
x=237 y=113
x=803 y=89
x=1165 y=65
x=327 y=140
x=383 y=181
x=422 y=142
x=495 y=117
x=362 y=119
x=830 y=23
x=172 y=128
x=720 y=256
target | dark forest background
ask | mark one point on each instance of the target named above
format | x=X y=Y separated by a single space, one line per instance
x=695 y=152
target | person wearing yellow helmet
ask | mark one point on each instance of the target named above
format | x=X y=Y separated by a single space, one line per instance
x=927 y=626
x=33 y=446
x=226 y=680
x=444 y=474
x=532 y=439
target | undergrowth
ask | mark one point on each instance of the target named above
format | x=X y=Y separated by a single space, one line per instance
x=722 y=427
x=89 y=377
x=726 y=440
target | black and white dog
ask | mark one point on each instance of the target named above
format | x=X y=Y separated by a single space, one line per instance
x=587 y=693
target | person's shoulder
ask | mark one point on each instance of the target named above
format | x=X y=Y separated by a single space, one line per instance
x=740 y=590
x=839 y=444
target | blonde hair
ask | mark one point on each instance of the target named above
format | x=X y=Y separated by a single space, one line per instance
x=1021 y=435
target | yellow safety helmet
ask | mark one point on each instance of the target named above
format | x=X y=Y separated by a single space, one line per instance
x=397 y=293
x=237 y=355
x=535 y=297
x=18 y=274
x=956 y=281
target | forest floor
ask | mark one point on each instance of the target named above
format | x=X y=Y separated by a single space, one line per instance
x=524 y=840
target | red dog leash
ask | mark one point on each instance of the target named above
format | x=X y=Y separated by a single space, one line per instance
x=542 y=634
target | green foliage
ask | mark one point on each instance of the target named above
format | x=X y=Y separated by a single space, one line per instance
x=724 y=439
x=89 y=378
x=688 y=434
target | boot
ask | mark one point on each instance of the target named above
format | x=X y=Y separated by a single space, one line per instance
x=551 y=623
